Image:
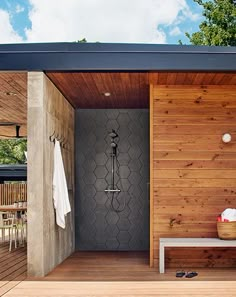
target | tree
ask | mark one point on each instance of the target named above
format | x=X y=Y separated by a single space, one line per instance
x=219 y=26
x=12 y=151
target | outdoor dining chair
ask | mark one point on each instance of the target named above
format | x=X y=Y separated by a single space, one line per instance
x=7 y=223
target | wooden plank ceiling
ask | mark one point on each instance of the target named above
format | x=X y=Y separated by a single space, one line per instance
x=87 y=89
x=127 y=89
x=13 y=103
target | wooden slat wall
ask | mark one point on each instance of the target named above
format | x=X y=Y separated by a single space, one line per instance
x=194 y=171
x=9 y=193
x=13 y=102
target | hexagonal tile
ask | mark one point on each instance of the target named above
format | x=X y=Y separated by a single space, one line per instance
x=101 y=119
x=134 y=128
x=101 y=158
x=100 y=171
x=123 y=158
x=135 y=165
x=89 y=218
x=124 y=146
x=123 y=132
x=100 y=198
x=112 y=244
x=134 y=178
x=134 y=139
x=123 y=119
x=112 y=114
x=100 y=222
x=134 y=152
x=112 y=218
x=80 y=157
x=124 y=171
x=100 y=236
x=91 y=139
x=112 y=230
x=89 y=178
x=123 y=224
x=94 y=160
x=89 y=190
x=135 y=191
x=124 y=237
x=100 y=146
x=89 y=165
x=101 y=184
x=112 y=125
x=123 y=184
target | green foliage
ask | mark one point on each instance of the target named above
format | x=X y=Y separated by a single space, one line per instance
x=84 y=40
x=12 y=151
x=219 y=26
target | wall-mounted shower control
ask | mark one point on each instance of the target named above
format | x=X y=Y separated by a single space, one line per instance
x=113 y=190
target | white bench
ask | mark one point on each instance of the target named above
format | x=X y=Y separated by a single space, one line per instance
x=189 y=242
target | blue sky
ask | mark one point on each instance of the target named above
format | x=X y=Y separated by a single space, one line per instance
x=146 y=21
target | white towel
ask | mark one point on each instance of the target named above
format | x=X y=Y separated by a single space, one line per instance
x=60 y=191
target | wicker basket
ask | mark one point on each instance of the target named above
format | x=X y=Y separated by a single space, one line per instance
x=226 y=230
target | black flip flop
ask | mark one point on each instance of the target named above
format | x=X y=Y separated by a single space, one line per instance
x=180 y=273
x=191 y=274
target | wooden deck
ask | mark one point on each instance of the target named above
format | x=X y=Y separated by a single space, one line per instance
x=13 y=267
x=128 y=289
x=108 y=274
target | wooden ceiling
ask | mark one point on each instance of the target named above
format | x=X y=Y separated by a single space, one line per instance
x=86 y=90
x=13 y=103
x=127 y=89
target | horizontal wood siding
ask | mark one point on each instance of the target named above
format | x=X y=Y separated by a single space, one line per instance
x=9 y=193
x=194 y=171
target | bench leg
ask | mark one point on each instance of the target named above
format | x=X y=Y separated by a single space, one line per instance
x=161 y=258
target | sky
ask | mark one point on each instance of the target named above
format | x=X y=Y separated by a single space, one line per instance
x=125 y=21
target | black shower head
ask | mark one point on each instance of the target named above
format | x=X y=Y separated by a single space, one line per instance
x=113 y=134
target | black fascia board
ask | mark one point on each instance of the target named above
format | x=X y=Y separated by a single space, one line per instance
x=115 y=57
x=13 y=172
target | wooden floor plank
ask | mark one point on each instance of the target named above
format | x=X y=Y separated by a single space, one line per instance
x=124 y=266
x=8 y=286
x=13 y=265
x=167 y=288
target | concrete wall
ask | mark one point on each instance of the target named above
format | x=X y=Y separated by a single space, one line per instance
x=48 y=110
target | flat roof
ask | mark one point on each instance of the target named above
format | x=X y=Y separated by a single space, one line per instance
x=13 y=172
x=115 y=57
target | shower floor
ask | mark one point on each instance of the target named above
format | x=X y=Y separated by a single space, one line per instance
x=125 y=266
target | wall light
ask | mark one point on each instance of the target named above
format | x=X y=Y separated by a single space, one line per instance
x=226 y=137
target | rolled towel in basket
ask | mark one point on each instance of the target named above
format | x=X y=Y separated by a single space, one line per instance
x=229 y=214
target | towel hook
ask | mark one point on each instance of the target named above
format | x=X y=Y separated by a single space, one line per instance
x=50 y=137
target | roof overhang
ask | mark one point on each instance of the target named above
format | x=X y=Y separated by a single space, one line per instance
x=17 y=172
x=118 y=57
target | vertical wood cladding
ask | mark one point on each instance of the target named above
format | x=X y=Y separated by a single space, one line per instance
x=194 y=171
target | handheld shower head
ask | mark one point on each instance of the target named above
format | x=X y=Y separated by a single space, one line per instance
x=113 y=144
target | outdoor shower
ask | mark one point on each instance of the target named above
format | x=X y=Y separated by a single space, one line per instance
x=113 y=191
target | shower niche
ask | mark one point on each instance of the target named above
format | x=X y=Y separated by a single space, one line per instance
x=112 y=179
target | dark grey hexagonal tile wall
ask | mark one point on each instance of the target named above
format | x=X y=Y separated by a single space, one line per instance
x=97 y=226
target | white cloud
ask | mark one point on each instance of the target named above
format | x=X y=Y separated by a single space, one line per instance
x=7 y=34
x=103 y=20
x=130 y=21
x=19 y=8
x=175 y=31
